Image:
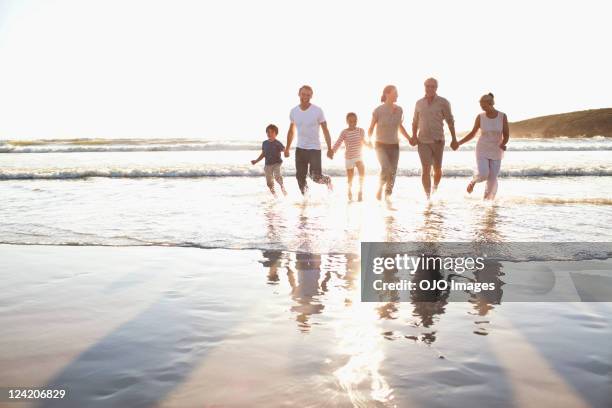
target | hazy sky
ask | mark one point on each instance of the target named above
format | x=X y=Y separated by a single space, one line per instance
x=225 y=69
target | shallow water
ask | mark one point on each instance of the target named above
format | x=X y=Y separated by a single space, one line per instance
x=239 y=212
x=550 y=190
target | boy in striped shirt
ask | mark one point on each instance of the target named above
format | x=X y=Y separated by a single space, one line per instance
x=354 y=139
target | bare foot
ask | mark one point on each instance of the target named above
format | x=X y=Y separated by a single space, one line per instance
x=350 y=195
x=284 y=191
x=470 y=187
x=330 y=186
x=360 y=196
x=379 y=194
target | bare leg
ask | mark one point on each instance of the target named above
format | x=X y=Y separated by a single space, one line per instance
x=426 y=180
x=279 y=180
x=271 y=187
x=470 y=186
x=279 y=177
x=482 y=175
x=361 y=169
x=349 y=174
x=437 y=177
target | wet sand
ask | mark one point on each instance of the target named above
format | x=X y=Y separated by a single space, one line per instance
x=187 y=327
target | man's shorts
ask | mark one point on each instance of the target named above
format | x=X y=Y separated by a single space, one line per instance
x=431 y=153
x=350 y=163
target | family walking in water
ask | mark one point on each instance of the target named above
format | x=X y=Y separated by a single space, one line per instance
x=430 y=113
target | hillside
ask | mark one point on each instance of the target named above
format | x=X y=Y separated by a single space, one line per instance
x=594 y=122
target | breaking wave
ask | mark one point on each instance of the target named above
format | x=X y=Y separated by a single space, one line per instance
x=241 y=171
x=158 y=145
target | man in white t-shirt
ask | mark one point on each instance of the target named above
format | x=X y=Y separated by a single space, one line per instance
x=307 y=118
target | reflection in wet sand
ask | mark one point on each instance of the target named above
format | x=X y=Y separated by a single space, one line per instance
x=358 y=339
x=487 y=228
x=275 y=222
x=324 y=294
x=307 y=287
x=272 y=261
x=358 y=351
x=368 y=338
x=432 y=228
x=428 y=304
x=227 y=336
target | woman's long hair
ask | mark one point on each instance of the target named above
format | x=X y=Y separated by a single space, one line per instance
x=387 y=89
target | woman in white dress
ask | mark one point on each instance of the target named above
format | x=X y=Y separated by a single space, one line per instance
x=494 y=135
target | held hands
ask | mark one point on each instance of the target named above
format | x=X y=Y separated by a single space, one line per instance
x=413 y=141
x=454 y=144
x=286 y=152
x=330 y=154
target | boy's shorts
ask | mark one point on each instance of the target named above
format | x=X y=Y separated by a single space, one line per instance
x=350 y=163
x=272 y=171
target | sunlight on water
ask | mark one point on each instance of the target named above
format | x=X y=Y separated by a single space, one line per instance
x=238 y=212
x=359 y=339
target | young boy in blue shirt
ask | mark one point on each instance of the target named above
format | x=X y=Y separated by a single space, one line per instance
x=272 y=149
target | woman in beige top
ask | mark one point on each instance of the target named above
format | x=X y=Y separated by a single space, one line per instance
x=387 y=118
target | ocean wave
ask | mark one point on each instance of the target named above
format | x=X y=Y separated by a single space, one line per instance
x=241 y=171
x=561 y=201
x=160 y=145
x=212 y=146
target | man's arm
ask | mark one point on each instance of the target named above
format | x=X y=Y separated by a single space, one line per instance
x=450 y=121
x=289 y=138
x=506 y=133
x=415 y=124
x=326 y=135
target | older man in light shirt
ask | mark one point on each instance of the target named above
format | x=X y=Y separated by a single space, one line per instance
x=430 y=112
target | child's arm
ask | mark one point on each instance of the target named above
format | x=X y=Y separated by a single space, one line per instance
x=364 y=141
x=261 y=156
x=338 y=142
